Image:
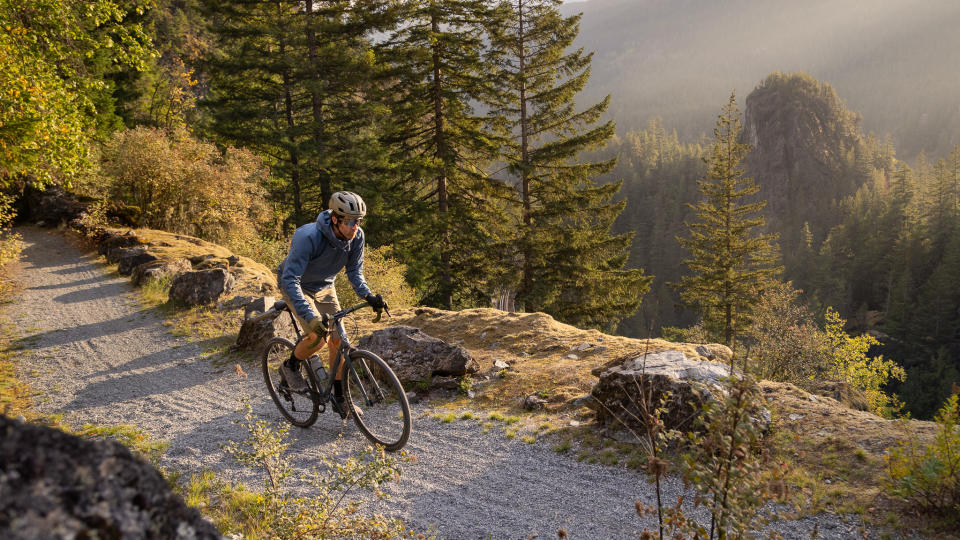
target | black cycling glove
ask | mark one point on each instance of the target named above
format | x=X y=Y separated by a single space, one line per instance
x=376 y=302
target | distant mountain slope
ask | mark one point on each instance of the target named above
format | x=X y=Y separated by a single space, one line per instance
x=894 y=61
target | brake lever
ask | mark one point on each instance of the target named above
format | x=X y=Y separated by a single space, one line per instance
x=380 y=314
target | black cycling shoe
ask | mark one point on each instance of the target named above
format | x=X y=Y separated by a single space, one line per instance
x=340 y=406
x=293 y=378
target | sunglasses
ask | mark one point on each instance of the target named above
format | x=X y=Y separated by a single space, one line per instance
x=351 y=222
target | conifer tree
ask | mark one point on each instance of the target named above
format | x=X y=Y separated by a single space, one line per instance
x=729 y=260
x=289 y=80
x=570 y=264
x=447 y=210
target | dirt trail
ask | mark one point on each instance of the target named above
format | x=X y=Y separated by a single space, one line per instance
x=97 y=355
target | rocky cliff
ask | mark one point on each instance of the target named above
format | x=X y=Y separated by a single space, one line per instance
x=805 y=144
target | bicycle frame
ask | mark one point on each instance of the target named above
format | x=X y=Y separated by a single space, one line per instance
x=342 y=360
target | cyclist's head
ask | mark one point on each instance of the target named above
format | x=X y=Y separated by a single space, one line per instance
x=347 y=204
x=348 y=210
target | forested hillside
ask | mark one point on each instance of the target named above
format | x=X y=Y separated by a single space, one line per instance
x=860 y=231
x=483 y=139
x=893 y=61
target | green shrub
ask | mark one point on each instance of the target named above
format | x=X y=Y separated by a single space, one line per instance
x=722 y=464
x=929 y=476
x=325 y=513
x=11 y=243
x=784 y=340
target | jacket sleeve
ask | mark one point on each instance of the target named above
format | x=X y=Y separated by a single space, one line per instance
x=355 y=269
x=293 y=269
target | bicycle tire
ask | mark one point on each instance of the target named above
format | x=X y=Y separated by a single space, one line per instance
x=375 y=391
x=299 y=408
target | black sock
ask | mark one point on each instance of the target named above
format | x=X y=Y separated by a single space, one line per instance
x=293 y=362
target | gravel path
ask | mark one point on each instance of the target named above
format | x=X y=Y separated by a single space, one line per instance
x=99 y=356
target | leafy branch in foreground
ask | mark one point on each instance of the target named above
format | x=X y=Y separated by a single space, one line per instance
x=929 y=476
x=724 y=464
x=327 y=513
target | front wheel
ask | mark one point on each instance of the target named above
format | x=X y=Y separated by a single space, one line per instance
x=299 y=408
x=380 y=407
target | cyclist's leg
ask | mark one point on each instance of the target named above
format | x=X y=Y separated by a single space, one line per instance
x=309 y=344
x=326 y=302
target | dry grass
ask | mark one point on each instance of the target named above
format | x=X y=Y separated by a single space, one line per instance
x=542 y=353
x=835 y=455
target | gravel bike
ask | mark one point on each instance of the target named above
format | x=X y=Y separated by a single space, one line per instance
x=372 y=392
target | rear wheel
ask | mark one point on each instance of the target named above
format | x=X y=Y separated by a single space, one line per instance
x=299 y=408
x=380 y=407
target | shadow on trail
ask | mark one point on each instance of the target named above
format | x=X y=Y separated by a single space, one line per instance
x=166 y=380
x=77 y=268
x=116 y=288
x=89 y=281
x=214 y=365
x=85 y=332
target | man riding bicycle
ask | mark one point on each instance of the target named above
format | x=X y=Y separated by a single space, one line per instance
x=318 y=252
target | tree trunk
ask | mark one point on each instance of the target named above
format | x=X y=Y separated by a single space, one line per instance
x=446 y=285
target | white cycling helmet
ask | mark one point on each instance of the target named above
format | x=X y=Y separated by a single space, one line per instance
x=348 y=203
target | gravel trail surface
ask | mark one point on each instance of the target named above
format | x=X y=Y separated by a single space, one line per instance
x=97 y=355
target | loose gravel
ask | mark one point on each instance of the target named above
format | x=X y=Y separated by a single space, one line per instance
x=97 y=355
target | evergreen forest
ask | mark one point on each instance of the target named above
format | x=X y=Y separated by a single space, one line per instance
x=493 y=178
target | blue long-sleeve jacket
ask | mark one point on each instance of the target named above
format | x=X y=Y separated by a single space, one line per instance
x=316 y=256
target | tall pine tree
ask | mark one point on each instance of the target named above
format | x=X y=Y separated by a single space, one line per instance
x=729 y=260
x=571 y=266
x=447 y=210
x=289 y=81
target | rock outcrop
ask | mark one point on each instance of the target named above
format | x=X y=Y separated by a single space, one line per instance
x=259 y=328
x=415 y=356
x=55 y=206
x=618 y=398
x=800 y=131
x=159 y=269
x=129 y=258
x=200 y=288
x=57 y=485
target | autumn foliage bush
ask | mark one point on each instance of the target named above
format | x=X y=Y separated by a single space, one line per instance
x=929 y=475
x=184 y=185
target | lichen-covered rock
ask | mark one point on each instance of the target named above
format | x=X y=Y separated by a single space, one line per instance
x=110 y=242
x=415 y=356
x=159 y=269
x=618 y=397
x=256 y=331
x=258 y=306
x=129 y=258
x=198 y=288
x=57 y=485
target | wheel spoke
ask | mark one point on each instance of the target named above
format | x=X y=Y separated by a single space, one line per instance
x=299 y=408
x=375 y=392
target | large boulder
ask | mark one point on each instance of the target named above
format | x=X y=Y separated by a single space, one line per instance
x=415 y=356
x=203 y=287
x=619 y=395
x=129 y=258
x=159 y=269
x=257 y=330
x=57 y=485
x=110 y=242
